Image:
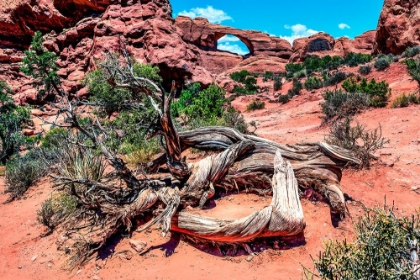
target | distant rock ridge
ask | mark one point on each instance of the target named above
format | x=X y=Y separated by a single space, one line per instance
x=79 y=31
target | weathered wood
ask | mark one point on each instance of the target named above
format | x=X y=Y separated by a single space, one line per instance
x=283 y=217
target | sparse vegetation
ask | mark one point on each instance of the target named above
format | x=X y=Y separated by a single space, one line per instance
x=413 y=68
x=380 y=250
x=362 y=142
x=255 y=105
x=378 y=91
x=365 y=69
x=405 y=100
x=284 y=98
x=411 y=52
x=381 y=63
x=12 y=119
x=249 y=82
x=334 y=79
x=339 y=104
x=277 y=83
x=313 y=83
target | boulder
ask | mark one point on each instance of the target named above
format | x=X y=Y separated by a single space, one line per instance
x=398 y=26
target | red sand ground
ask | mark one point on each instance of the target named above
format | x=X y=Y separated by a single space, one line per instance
x=24 y=255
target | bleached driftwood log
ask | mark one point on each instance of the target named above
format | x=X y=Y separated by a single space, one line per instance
x=283 y=217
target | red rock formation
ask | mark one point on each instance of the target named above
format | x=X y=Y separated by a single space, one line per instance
x=205 y=35
x=398 y=26
x=322 y=44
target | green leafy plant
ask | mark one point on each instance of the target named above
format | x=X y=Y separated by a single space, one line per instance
x=277 y=83
x=296 y=89
x=12 y=119
x=339 y=104
x=365 y=69
x=284 y=98
x=313 y=83
x=405 y=100
x=255 y=105
x=380 y=250
x=41 y=65
x=411 y=52
x=381 y=63
x=335 y=78
x=378 y=91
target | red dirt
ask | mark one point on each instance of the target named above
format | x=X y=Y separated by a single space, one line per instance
x=396 y=175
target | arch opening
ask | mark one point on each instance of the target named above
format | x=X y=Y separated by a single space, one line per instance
x=231 y=43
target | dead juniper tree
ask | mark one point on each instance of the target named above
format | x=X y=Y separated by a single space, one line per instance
x=111 y=201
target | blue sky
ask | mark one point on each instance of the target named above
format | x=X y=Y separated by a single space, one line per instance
x=286 y=19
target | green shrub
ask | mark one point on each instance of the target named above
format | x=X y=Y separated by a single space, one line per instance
x=255 y=105
x=353 y=59
x=207 y=104
x=114 y=99
x=405 y=100
x=365 y=69
x=411 y=52
x=313 y=83
x=292 y=68
x=378 y=92
x=23 y=172
x=284 y=98
x=12 y=119
x=381 y=64
x=380 y=250
x=240 y=76
x=296 y=89
x=335 y=79
x=268 y=75
x=277 y=83
x=413 y=68
x=54 y=138
x=339 y=104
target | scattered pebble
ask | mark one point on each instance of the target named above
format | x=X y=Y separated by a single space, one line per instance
x=34 y=258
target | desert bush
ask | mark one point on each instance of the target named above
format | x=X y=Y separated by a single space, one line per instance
x=292 y=68
x=23 y=172
x=112 y=99
x=140 y=155
x=284 y=98
x=339 y=104
x=411 y=52
x=296 y=89
x=203 y=104
x=240 y=76
x=363 y=143
x=336 y=78
x=378 y=91
x=353 y=59
x=268 y=75
x=365 y=69
x=313 y=83
x=277 y=83
x=12 y=119
x=380 y=249
x=255 y=105
x=46 y=213
x=381 y=63
x=413 y=68
x=405 y=100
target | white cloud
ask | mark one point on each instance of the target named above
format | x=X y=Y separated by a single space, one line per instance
x=298 y=31
x=233 y=48
x=210 y=13
x=228 y=38
x=343 y=26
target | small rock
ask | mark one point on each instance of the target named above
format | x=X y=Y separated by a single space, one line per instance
x=250 y=257
x=34 y=258
x=137 y=245
x=79 y=271
x=415 y=188
x=20 y=267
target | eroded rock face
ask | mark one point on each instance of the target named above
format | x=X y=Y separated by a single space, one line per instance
x=398 y=26
x=322 y=44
